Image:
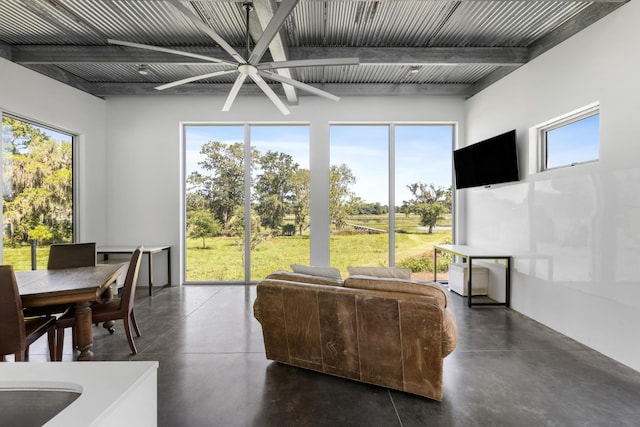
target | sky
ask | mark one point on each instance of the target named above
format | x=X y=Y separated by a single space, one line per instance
x=423 y=153
x=53 y=134
x=574 y=143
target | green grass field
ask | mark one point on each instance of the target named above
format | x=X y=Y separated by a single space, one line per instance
x=222 y=259
x=20 y=257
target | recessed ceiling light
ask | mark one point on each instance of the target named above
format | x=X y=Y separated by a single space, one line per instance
x=143 y=69
x=414 y=69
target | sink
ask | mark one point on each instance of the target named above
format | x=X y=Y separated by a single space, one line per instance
x=34 y=404
x=79 y=394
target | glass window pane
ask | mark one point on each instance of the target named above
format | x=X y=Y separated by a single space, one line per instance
x=576 y=142
x=359 y=194
x=37 y=164
x=214 y=179
x=280 y=198
x=424 y=211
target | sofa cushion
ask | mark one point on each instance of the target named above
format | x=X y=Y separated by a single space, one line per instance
x=329 y=272
x=416 y=287
x=389 y=272
x=304 y=278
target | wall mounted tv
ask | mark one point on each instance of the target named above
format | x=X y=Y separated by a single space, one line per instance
x=492 y=161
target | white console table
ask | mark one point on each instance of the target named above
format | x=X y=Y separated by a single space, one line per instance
x=470 y=253
x=148 y=250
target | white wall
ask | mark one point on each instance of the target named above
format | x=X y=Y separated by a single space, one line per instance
x=575 y=232
x=33 y=96
x=145 y=155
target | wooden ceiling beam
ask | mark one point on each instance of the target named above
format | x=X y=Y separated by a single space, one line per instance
x=116 y=89
x=264 y=11
x=6 y=51
x=36 y=54
x=63 y=76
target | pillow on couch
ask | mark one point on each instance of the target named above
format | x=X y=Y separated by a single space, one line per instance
x=304 y=278
x=416 y=287
x=329 y=272
x=388 y=272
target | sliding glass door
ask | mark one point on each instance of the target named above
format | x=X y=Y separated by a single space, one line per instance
x=390 y=199
x=239 y=178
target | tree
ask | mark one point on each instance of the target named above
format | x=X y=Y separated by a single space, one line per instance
x=428 y=202
x=273 y=187
x=223 y=187
x=300 y=183
x=341 y=198
x=236 y=228
x=37 y=183
x=201 y=224
x=41 y=233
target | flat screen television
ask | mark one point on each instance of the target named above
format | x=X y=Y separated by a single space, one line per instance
x=492 y=161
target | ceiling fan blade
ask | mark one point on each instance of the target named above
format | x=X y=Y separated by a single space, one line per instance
x=234 y=92
x=300 y=85
x=207 y=29
x=172 y=51
x=272 y=28
x=327 y=62
x=193 y=79
x=270 y=93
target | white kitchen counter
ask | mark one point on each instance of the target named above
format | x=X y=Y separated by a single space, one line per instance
x=112 y=393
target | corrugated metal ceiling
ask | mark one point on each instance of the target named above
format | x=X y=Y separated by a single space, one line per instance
x=33 y=33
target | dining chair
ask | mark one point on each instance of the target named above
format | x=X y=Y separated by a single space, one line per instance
x=61 y=256
x=17 y=333
x=114 y=309
x=72 y=255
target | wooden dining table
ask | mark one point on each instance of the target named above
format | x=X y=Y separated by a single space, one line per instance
x=79 y=286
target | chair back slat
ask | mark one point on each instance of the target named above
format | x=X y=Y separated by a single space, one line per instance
x=72 y=255
x=12 y=329
x=129 y=290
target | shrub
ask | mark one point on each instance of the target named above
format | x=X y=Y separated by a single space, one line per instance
x=417 y=264
x=424 y=262
x=288 y=230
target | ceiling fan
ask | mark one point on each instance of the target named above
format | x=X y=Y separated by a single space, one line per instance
x=250 y=66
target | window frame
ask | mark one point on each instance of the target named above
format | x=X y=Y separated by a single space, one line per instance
x=248 y=189
x=392 y=127
x=560 y=122
x=75 y=191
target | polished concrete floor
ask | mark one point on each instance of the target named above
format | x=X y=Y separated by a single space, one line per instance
x=507 y=371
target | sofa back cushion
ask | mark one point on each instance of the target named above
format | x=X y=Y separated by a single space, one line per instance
x=304 y=278
x=388 y=272
x=329 y=272
x=416 y=287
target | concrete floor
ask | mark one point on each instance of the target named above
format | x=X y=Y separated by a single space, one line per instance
x=507 y=371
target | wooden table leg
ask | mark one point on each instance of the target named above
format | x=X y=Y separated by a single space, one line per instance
x=106 y=296
x=84 y=333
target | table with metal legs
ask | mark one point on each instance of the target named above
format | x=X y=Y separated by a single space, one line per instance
x=150 y=251
x=470 y=253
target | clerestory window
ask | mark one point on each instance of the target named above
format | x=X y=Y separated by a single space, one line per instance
x=570 y=140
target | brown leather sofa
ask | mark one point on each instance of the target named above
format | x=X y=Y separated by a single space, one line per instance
x=389 y=332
